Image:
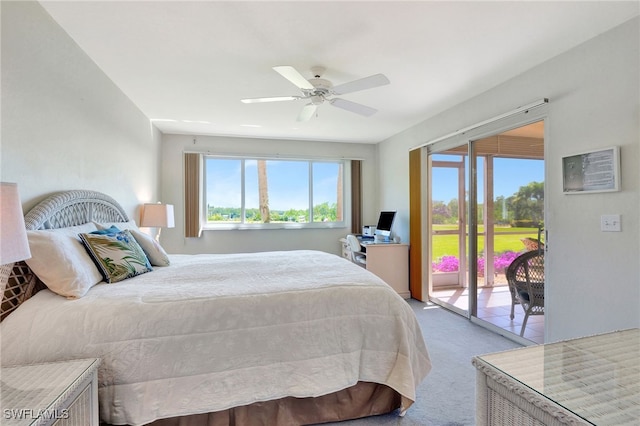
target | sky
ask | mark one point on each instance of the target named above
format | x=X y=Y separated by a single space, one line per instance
x=508 y=174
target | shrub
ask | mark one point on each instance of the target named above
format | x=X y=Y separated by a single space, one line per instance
x=445 y=264
x=503 y=260
x=450 y=263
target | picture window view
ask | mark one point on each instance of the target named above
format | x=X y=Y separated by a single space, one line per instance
x=260 y=191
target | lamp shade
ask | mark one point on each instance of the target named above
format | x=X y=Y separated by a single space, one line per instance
x=14 y=245
x=157 y=216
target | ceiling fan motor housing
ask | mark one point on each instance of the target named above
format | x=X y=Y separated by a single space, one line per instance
x=322 y=87
x=316 y=99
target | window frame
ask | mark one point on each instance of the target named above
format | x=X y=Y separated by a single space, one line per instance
x=346 y=194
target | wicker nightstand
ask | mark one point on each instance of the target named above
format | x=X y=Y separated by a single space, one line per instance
x=58 y=393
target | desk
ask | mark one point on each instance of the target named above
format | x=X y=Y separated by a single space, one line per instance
x=587 y=381
x=389 y=261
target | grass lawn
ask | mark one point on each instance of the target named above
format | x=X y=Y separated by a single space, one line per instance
x=508 y=239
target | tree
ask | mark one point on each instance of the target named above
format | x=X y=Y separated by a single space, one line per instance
x=324 y=212
x=439 y=212
x=263 y=191
x=502 y=211
x=339 y=193
x=528 y=203
x=453 y=210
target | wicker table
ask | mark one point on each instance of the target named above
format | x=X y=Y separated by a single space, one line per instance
x=588 y=381
x=57 y=393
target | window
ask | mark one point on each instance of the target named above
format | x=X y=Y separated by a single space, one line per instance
x=273 y=193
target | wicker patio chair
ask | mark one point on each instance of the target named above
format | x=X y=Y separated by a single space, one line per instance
x=531 y=244
x=526 y=284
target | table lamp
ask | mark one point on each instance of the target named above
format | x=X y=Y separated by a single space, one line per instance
x=14 y=245
x=157 y=216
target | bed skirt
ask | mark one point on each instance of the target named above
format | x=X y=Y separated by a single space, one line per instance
x=361 y=400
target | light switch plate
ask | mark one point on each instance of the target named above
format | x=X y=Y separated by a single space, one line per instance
x=610 y=223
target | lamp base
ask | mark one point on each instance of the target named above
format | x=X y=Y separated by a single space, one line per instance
x=5 y=271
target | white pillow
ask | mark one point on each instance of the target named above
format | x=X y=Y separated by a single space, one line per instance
x=120 y=225
x=60 y=260
x=154 y=251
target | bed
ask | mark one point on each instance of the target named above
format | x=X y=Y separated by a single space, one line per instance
x=296 y=337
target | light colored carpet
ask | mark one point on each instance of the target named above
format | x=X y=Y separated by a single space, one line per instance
x=446 y=397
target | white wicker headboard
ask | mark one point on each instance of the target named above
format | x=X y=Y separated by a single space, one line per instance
x=62 y=209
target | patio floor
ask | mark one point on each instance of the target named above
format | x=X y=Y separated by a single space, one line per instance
x=494 y=306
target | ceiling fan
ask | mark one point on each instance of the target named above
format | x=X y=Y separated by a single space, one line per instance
x=318 y=90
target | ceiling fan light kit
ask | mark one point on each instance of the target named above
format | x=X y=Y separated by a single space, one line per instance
x=317 y=90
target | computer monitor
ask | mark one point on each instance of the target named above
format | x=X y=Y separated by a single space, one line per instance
x=385 y=221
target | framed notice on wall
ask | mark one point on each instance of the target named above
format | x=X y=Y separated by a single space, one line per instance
x=594 y=171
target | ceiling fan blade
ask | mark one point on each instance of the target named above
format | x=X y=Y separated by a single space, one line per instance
x=307 y=112
x=361 y=84
x=291 y=74
x=353 y=107
x=272 y=99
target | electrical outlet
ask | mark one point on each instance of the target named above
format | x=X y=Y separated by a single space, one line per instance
x=610 y=223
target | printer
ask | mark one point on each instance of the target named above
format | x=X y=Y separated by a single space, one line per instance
x=368 y=230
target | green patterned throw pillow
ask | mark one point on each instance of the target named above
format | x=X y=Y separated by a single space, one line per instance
x=118 y=256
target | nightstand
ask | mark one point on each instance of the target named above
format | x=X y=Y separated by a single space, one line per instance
x=56 y=393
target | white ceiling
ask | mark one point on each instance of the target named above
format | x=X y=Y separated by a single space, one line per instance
x=192 y=62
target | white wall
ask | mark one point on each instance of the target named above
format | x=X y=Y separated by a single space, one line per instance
x=593 y=278
x=230 y=241
x=65 y=125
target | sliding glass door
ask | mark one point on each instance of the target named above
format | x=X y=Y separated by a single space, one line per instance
x=486 y=206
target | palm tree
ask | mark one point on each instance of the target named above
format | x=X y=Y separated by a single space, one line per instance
x=339 y=190
x=263 y=191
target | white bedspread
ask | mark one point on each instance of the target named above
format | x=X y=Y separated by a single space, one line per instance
x=212 y=332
